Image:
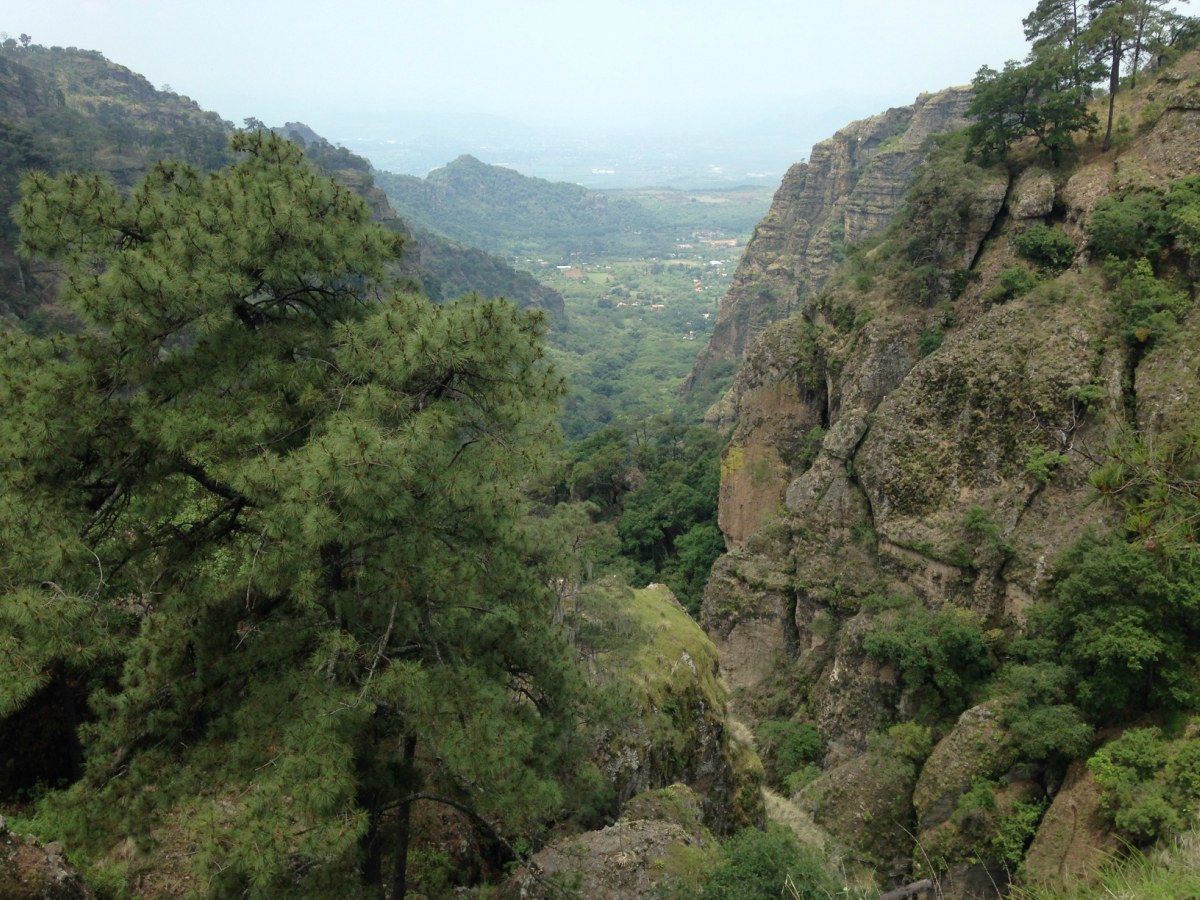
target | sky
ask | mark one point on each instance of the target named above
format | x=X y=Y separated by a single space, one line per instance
x=596 y=66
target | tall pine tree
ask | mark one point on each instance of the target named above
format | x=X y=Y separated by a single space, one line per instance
x=273 y=517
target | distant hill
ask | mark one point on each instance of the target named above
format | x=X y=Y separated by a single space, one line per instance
x=64 y=108
x=504 y=212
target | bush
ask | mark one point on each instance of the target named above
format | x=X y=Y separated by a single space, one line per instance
x=1129 y=227
x=929 y=340
x=1012 y=283
x=760 y=863
x=941 y=656
x=1151 y=308
x=1044 y=246
x=1042 y=463
x=1150 y=785
x=787 y=747
x=907 y=741
x=1124 y=621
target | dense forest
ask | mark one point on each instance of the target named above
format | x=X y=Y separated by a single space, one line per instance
x=323 y=572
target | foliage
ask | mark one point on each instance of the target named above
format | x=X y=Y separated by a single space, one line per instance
x=1134 y=233
x=1150 y=308
x=1129 y=226
x=787 y=748
x=929 y=340
x=1038 y=712
x=1146 y=223
x=1014 y=831
x=1044 y=98
x=941 y=656
x=1150 y=785
x=910 y=742
x=984 y=532
x=1045 y=246
x=1123 y=622
x=288 y=509
x=760 y=863
x=1041 y=463
x=1013 y=282
x=1182 y=206
x=1155 y=483
x=659 y=482
x=1166 y=873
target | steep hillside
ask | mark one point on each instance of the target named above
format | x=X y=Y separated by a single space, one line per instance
x=912 y=447
x=848 y=190
x=74 y=109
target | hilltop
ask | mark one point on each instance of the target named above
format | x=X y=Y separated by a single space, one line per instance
x=64 y=108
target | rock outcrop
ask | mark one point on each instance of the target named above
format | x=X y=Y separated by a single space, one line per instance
x=31 y=871
x=851 y=186
x=659 y=846
x=676 y=728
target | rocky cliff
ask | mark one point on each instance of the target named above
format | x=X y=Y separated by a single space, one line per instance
x=913 y=438
x=849 y=189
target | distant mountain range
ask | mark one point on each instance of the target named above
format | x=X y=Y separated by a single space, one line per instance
x=74 y=109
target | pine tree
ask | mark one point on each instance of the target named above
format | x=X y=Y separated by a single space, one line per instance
x=273 y=516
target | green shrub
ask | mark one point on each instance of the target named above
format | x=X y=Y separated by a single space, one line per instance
x=787 y=747
x=1037 y=712
x=758 y=864
x=1088 y=396
x=1012 y=283
x=929 y=340
x=1150 y=785
x=959 y=279
x=1041 y=463
x=1015 y=830
x=908 y=741
x=1045 y=246
x=1129 y=227
x=794 y=782
x=1183 y=214
x=941 y=656
x=1124 y=621
x=1151 y=308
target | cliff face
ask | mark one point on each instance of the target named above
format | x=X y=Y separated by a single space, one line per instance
x=849 y=189
x=886 y=451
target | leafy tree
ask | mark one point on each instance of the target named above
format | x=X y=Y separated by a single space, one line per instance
x=285 y=512
x=787 y=748
x=1157 y=485
x=941 y=656
x=1150 y=785
x=1110 y=31
x=1060 y=23
x=1045 y=98
x=1123 y=621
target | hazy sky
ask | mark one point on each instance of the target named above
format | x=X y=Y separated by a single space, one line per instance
x=605 y=64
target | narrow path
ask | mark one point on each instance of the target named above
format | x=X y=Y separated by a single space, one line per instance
x=779 y=809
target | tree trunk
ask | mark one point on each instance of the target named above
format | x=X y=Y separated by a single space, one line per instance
x=371 y=875
x=400 y=863
x=66 y=702
x=1114 y=83
x=1143 y=16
